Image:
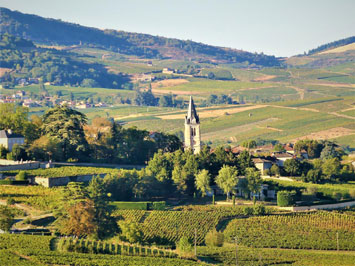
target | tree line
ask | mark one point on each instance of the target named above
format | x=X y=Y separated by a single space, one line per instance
x=63 y=134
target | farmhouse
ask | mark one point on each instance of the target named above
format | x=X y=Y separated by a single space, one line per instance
x=8 y=139
x=282 y=157
x=262 y=164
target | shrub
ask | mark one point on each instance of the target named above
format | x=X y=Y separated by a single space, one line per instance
x=259 y=209
x=122 y=205
x=159 y=205
x=21 y=176
x=248 y=211
x=214 y=238
x=130 y=232
x=286 y=198
x=184 y=247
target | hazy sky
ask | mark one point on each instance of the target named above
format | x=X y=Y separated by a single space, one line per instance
x=278 y=27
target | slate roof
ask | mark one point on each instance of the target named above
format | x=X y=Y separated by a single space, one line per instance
x=192 y=116
x=4 y=134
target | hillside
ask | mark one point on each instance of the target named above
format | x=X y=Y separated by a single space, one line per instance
x=56 y=32
x=332 y=45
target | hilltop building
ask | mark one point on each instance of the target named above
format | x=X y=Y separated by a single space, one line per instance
x=192 y=129
x=8 y=139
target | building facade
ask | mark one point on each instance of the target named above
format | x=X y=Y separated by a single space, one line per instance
x=8 y=139
x=192 y=129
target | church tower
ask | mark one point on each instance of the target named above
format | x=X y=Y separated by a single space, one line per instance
x=192 y=129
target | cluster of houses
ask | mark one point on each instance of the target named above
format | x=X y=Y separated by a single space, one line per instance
x=21 y=96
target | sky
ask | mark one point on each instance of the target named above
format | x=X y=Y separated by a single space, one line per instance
x=274 y=27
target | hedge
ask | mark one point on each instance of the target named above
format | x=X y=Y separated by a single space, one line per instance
x=140 y=205
x=13 y=182
x=286 y=198
x=124 y=205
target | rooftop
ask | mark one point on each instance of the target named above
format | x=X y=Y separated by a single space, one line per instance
x=8 y=134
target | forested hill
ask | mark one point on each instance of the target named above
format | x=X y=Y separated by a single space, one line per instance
x=332 y=45
x=56 y=32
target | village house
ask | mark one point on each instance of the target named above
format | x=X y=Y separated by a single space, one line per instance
x=8 y=139
x=167 y=70
x=282 y=157
x=265 y=192
x=262 y=164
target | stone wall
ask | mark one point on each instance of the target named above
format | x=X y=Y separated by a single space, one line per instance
x=62 y=181
x=8 y=165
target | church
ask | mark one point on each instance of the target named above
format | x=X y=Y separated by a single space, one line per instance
x=192 y=129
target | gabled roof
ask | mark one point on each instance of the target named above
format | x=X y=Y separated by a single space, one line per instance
x=191 y=113
x=261 y=160
x=5 y=134
x=283 y=155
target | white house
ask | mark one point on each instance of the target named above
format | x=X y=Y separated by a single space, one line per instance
x=8 y=139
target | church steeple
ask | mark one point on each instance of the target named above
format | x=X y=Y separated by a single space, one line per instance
x=192 y=116
x=192 y=129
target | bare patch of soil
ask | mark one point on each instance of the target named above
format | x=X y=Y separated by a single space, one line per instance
x=328 y=134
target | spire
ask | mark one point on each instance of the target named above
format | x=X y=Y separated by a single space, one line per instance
x=191 y=113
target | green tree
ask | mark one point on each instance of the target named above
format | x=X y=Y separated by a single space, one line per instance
x=102 y=215
x=130 y=232
x=275 y=170
x=6 y=218
x=227 y=179
x=202 y=181
x=331 y=168
x=254 y=181
x=66 y=125
x=292 y=167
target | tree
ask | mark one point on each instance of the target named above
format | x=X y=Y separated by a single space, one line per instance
x=202 y=181
x=331 y=168
x=81 y=220
x=6 y=218
x=106 y=225
x=329 y=152
x=184 y=247
x=314 y=176
x=3 y=152
x=279 y=147
x=275 y=170
x=250 y=144
x=45 y=148
x=18 y=152
x=245 y=161
x=227 y=179
x=292 y=167
x=130 y=232
x=66 y=125
x=254 y=181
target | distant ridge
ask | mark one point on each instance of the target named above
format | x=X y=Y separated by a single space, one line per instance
x=332 y=45
x=56 y=32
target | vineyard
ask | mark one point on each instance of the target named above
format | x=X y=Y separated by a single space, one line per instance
x=167 y=227
x=99 y=247
x=66 y=171
x=26 y=250
x=262 y=256
x=316 y=230
x=36 y=196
